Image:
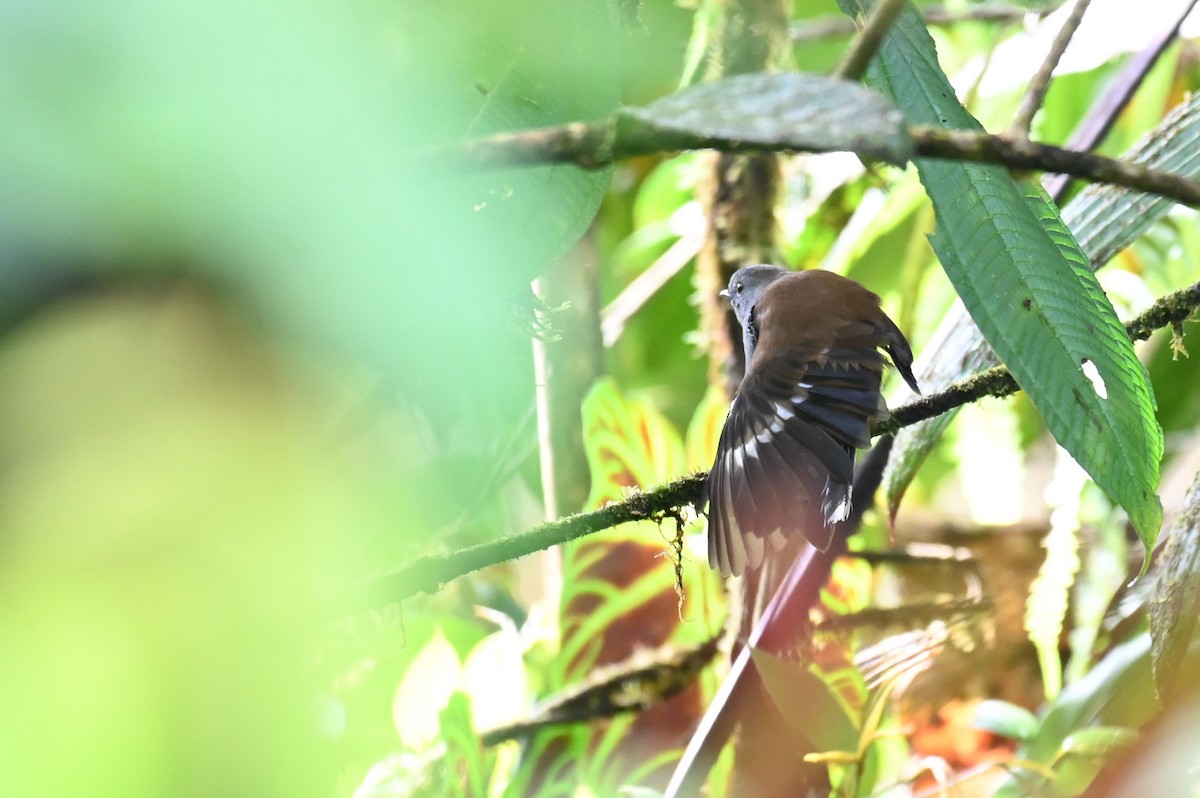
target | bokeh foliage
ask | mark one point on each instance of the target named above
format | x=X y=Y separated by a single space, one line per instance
x=262 y=337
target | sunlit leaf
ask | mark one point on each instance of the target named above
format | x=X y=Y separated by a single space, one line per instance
x=705 y=429
x=434 y=675
x=1098 y=741
x=493 y=676
x=1046 y=608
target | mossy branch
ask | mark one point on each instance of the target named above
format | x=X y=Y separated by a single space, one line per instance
x=428 y=574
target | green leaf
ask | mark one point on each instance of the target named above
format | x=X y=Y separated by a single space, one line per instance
x=531 y=84
x=1030 y=289
x=807 y=702
x=464 y=766
x=1175 y=603
x=1098 y=741
x=1105 y=220
x=1046 y=608
x=1005 y=719
x=791 y=110
x=1116 y=692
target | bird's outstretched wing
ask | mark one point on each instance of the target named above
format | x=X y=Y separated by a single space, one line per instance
x=785 y=460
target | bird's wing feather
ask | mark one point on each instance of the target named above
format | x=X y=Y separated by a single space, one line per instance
x=786 y=455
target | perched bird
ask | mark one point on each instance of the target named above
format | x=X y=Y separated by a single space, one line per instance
x=785 y=461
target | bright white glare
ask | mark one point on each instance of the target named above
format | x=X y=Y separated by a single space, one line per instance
x=1092 y=373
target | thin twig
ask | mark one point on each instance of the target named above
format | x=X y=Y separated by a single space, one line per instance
x=854 y=63
x=646 y=285
x=428 y=574
x=1035 y=93
x=1167 y=311
x=1116 y=96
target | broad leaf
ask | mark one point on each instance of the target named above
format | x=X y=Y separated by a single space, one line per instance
x=1005 y=719
x=807 y=702
x=1116 y=692
x=1031 y=291
x=792 y=110
x=1105 y=219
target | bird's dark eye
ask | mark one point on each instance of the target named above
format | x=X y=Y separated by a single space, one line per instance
x=737 y=289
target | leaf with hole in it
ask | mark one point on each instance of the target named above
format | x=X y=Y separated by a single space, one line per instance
x=1030 y=289
x=1105 y=219
x=790 y=110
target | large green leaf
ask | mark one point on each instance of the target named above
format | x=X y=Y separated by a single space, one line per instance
x=1105 y=219
x=1030 y=289
x=807 y=702
x=791 y=110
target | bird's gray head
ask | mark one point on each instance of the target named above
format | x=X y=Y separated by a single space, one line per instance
x=746 y=286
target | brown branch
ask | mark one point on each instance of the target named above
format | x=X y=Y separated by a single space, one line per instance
x=428 y=574
x=597 y=144
x=589 y=145
x=643 y=680
x=1035 y=93
x=1120 y=89
x=962 y=145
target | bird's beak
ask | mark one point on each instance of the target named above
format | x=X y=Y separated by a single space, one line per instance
x=724 y=293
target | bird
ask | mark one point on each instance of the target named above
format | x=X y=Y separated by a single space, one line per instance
x=808 y=400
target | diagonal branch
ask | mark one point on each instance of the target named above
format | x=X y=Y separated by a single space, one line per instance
x=831 y=26
x=428 y=574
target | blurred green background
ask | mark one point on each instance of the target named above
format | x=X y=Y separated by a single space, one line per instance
x=260 y=339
